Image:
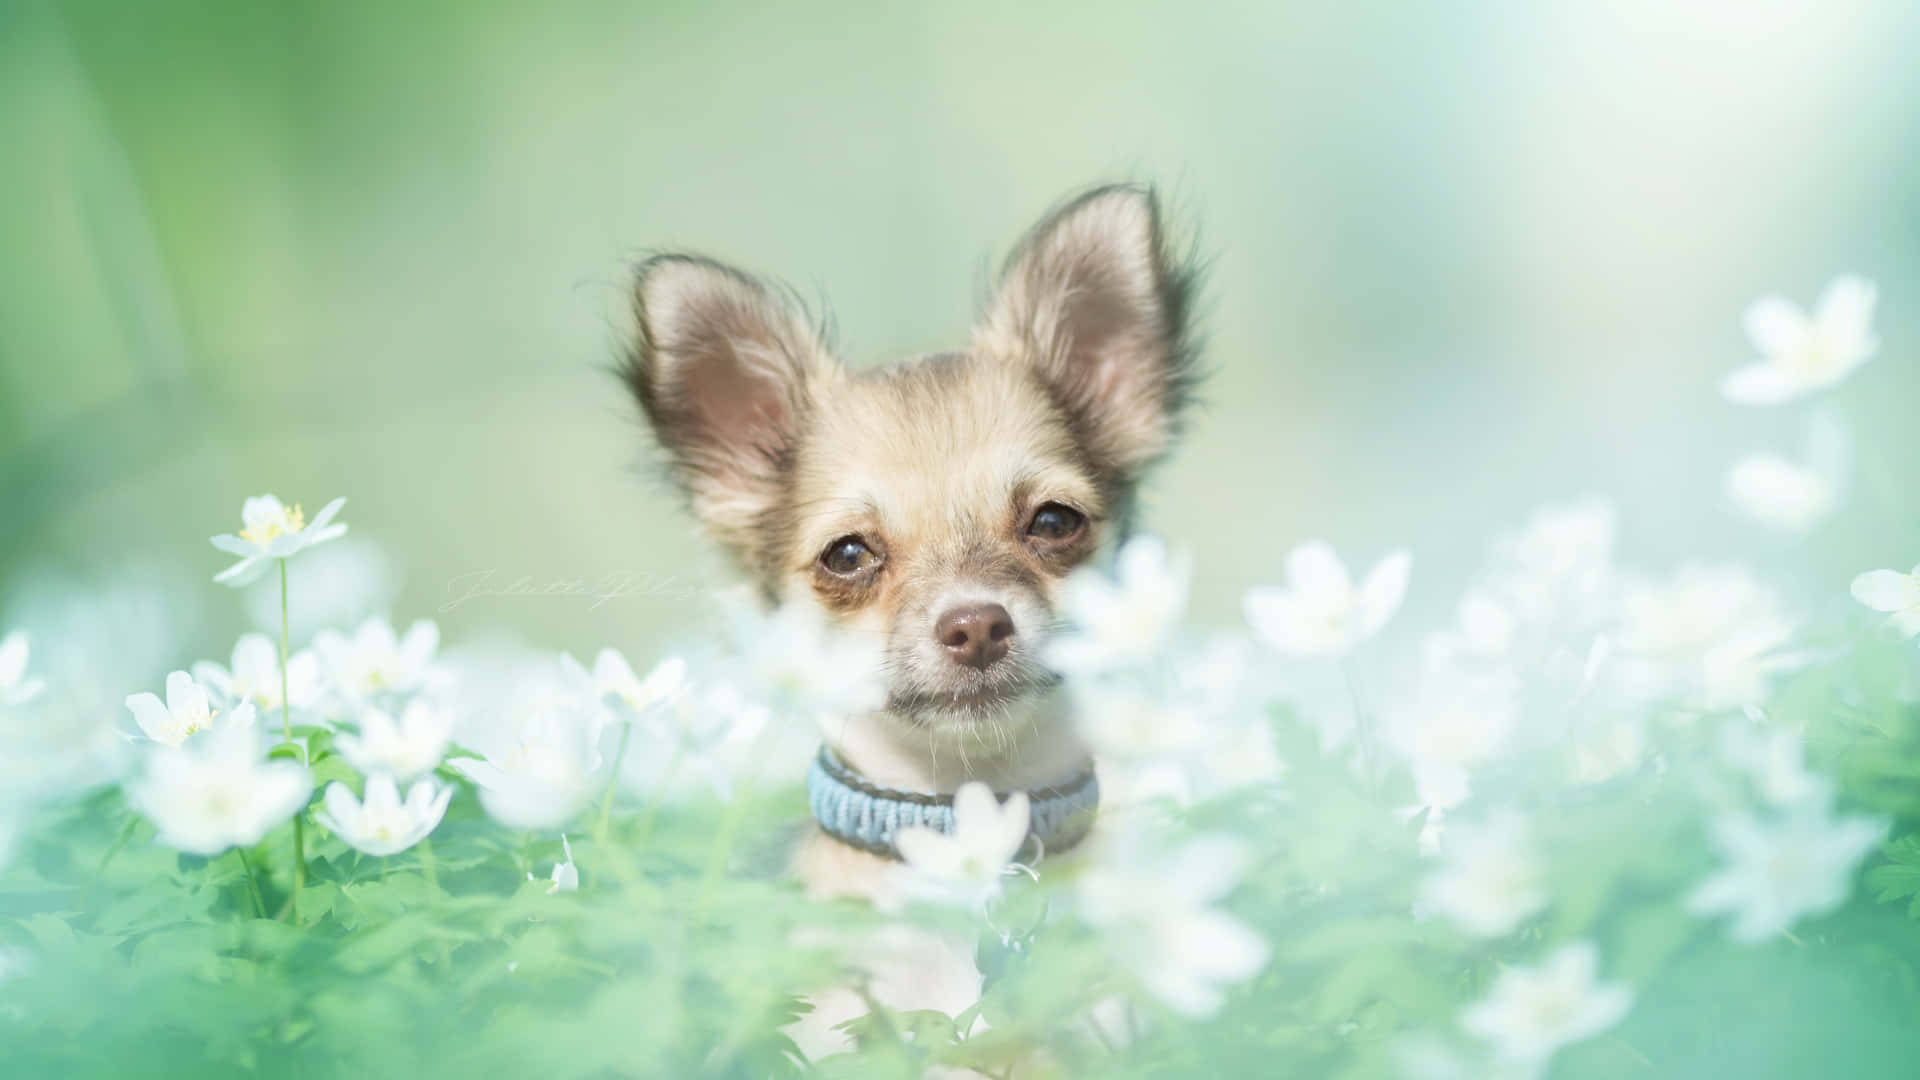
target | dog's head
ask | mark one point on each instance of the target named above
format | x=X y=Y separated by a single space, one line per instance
x=936 y=503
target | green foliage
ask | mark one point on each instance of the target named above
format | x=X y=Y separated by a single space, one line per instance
x=456 y=963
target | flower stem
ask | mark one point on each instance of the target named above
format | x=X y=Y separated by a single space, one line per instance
x=613 y=784
x=660 y=796
x=286 y=726
x=253 y=884
x=1362 y=728
x=286 y=702
x=299 y=865
x=427 y=866
x=120 y=841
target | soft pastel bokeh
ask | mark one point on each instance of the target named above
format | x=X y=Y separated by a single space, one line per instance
x=1462 y=259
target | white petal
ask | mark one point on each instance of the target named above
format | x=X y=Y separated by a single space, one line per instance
x=1887 y=590
x=382 y=795
x=303 y=678
x=233 y=545
x=215 y=678
x=245 y=572
x=375 y=637
x=343 y=812
x=926 y=850
x=1775 y=326
x=325 y=515
x=184 y=696
x=256 y=659
x=1208 y=868
x=665 y=681
x=262 y=508
x=423 y=637
x=153 y=718
x=1383 y=591
x=310 y=537
x=1219 y=946
x=1313 y=569
x=1010 y=828
x=281 y=791
x=437 y=809
x=1277 y=619
x=1760 y=384
x=1845 y=314
x=1905 y=623
x=13 y=658
x=483 y=773
x=974 y=806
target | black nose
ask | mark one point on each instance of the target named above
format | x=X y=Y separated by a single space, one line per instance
x=975 y=634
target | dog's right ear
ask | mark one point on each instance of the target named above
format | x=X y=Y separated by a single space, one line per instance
x=725 y=369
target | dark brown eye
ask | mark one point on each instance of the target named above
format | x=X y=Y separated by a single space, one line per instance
x=848 y=555
x=1054 y=523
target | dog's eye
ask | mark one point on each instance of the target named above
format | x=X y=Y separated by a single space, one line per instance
x=849 y=555
x=1054 y=522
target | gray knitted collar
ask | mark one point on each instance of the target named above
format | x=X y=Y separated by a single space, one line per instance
x=862 y=814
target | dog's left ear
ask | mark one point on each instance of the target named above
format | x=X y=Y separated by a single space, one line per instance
x=1094 y=301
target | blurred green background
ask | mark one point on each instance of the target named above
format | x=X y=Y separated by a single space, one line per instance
x=1463 y=258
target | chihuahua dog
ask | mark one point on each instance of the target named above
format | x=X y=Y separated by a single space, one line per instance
x=936 y=504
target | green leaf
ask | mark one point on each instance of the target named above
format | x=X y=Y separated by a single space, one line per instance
x=1899 y=877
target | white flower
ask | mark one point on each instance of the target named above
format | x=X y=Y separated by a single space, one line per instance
x=613 y=677
x=1455 y=720
x=15 y=687
x=1776 y=761
x=186 y=711
x=1122 y=724
x=405 y=749
x=1203 y=733
x=380 y=824
x=1607 y=745
x=1713 y=634
x=541 y=773
x=1156 y=911
x=255 y=675
x=1567 y=543
x=1485 y=630
x=1125 y=619
x=566 y=876
x=964 y=867
x=1894 y=592
x=1319 y=612
x=273 y=531
x=711 y=740
x=1778 y=870
x=1792 y=496
x=1780 y=494
x=217 y=792
x=1491 y=880
x=1531 y=1013
x=1803 y=353
x=794 y=660
x=376 y=661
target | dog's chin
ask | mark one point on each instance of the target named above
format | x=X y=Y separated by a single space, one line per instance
x=968 y=707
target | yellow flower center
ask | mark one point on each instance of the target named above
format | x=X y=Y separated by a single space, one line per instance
x=264 y=531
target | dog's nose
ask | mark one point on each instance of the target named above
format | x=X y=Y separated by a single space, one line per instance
x=975 y=634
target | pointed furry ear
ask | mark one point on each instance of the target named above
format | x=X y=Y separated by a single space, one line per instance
x=1093 y=300
x=725 y=369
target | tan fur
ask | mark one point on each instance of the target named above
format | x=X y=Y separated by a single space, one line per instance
x=937 y=467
